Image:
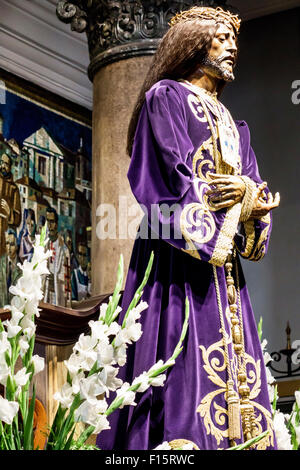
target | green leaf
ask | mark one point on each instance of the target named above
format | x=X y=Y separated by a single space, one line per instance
x=67 y=424
x=70 y=440
x=114 y=300
x=259 y=328
x=28 y=425
x=139 y=291
x=84 y=437
x=274 y=404
x=94 y=370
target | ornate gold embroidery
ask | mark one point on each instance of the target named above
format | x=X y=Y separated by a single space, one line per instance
x=198 y=168
x=196 y=108
x=213 y=413
x=212 y=367
x=197 y=216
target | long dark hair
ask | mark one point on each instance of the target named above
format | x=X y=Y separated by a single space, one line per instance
x=180 y=52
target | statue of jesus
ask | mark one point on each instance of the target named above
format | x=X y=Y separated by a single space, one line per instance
x=195 y=174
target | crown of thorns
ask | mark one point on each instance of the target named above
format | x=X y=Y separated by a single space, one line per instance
x=207 y=13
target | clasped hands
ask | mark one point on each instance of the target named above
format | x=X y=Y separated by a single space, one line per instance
x=227 y=190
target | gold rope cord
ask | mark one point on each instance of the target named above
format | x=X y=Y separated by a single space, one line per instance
x=234 y=427
x=240 y=410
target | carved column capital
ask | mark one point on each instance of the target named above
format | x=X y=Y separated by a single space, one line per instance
x=122 y=29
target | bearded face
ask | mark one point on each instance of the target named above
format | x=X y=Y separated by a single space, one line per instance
x=221 y=59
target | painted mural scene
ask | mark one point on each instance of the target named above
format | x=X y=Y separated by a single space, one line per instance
x=43 y=182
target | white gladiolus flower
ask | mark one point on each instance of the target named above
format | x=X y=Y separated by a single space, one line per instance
x=4 y=343
x=129 y=334
x=90 y=388
x=267 y=358
x=270 y=378
x=156 y=366
x=170 y=362
x=76 y=382
x=24 y=345
x=120 y=354
x=73 y=364
x=98 y=330
x=21 y=377
x=100 y=422
x=297 y=396
x=143 y=379
x=16 y=316
x=31 y=308
x=12 y=330
x=4 y=372
x=283 y=437
x=271 y=392
x=158 y=381
x=135 y=313
x=28 y=326
x=40 y=256
x=113 y=329
x=8 y=410
x=105 y=354
x=93 y=414
x=164 y=446
x=65 y=396
x=85 y=346
x=108 y=376
x=187 y=446
x=28 y=288
x=127 y=395
x=103 y=308
x=38 y=363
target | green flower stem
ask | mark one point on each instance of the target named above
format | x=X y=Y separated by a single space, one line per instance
x=114 y=300
x=3 y=441
x=139 y=291
x=84 y=436
x=250 y=442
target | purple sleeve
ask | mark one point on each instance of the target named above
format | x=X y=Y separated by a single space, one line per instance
x=162 y=181
x=252 y=239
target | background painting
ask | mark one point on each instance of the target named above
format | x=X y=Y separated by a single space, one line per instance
x=45 y=177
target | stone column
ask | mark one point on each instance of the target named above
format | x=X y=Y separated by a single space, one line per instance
x=122 y=37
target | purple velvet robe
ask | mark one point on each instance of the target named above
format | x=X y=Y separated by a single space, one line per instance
x=171 y=156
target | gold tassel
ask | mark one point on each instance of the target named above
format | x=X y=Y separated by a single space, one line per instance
x=234 y=416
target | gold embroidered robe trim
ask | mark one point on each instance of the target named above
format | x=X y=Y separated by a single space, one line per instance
x=213 y=414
